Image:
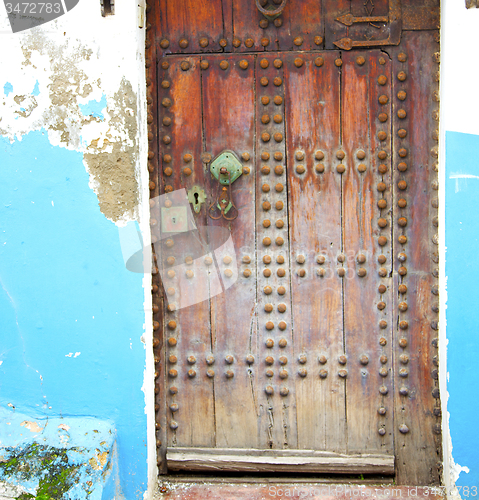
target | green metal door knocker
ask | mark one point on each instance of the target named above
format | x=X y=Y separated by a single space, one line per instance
x=226 y=168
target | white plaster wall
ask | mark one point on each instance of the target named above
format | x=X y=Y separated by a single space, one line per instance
x=104 y=51
x=459 y=113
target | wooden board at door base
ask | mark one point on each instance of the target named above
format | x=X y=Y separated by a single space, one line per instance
x=301 y=338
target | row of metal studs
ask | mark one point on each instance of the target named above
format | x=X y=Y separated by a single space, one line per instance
x=383 y=223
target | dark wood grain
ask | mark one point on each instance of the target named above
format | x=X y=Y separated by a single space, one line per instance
x=333 y=30
x=278 y=412
x=335 y=103
x=313 y=124
x=192 y=20
x=228 y=123
x=418 y=451
x=306 y=461
x=360 y=126
x=195 y=416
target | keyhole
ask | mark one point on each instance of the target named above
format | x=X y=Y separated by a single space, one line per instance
x=196 y=199
x=173 y=219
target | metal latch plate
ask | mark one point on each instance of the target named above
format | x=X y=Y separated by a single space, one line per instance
x=227 y=159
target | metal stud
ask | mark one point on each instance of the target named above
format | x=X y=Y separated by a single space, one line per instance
x=269 y=390
x=319 y=61
x=282 y=343
x=302 y=359
x=360 y=60
x=283 y=374
x=284 y=391
x=298 y=41
x=250 y=359
x=401 y=76
x=383 y=371
x=229 y=374
x=364 y=360
x=383 y=390
x=269 y=360
x=382 y=204
x=343 y=373
x=382 y=79
x=323 y=373
x=383 y=99
x=298 y=62
x=224 y=65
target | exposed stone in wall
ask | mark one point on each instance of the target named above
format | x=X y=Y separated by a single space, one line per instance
x=70 y=76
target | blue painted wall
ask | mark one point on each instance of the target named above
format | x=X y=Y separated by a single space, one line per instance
x=65 y=289
x=462 y=313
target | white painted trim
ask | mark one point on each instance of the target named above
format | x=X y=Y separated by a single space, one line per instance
x=446 y=449
x=144 y=223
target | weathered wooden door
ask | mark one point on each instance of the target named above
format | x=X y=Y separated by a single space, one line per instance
x=300 y=334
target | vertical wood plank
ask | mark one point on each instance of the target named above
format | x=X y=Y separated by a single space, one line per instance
x=228 y=121
x=313 y=130
x=417 y=395
x=192 y=20
x=276 y=395
x=190 y=405
x=366 y=142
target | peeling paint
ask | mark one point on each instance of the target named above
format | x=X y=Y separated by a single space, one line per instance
x=31 y=426
x=71 y=79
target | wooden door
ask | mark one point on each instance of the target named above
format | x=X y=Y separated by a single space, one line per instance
x=297 y=331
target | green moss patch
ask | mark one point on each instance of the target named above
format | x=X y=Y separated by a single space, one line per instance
x=48 y=465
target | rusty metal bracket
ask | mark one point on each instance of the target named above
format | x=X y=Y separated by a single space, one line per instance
x=395 y=26
x=271 y=13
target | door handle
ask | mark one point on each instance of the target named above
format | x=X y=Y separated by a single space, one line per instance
x=226 y=168
x=271 y=13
